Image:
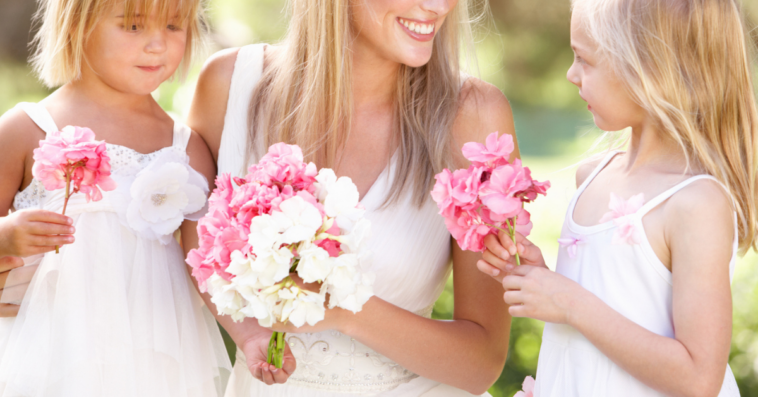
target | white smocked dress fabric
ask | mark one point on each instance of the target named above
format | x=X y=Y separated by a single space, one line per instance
x=115 y=313
x=630 y=279
x=411 y=260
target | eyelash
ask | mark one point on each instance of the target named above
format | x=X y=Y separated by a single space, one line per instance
x=173 y=28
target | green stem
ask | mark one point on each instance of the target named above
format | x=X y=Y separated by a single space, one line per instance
x=65 y=202
x=276 y=349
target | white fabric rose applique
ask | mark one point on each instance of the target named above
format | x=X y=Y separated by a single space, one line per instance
x=155 y=201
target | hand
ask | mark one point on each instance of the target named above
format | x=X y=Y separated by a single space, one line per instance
x=542 y=294
x=15 y=290
x=256 y=353
x=30 y=232
x=499 y=257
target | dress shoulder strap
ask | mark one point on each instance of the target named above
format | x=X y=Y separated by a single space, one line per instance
x=657 y=200
x=182 y=134
x=248 y=69
x=39 y=116
x=607 y=159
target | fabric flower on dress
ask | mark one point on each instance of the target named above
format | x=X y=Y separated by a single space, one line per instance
x=622 y=214
x=571 y=244
x=161 y=196
x=527 y=388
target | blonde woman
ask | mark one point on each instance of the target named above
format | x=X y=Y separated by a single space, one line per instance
x=371 y=88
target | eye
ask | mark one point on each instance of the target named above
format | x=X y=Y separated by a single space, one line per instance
x=174 y=28
x=134 y=28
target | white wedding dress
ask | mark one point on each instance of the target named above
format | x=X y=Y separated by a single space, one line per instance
x=115 y=313
x=411 y=259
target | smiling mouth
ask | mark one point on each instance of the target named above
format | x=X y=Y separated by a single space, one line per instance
x=420 y=30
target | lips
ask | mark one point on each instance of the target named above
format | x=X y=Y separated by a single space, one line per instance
x=150 y=68
x=417 y=29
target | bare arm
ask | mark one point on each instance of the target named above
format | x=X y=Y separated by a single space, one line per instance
x=28 y=232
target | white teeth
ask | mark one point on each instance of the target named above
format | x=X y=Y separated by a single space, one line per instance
x=418 y=28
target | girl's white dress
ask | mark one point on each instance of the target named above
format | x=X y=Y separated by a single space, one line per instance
x=629 y=278
x=115 y=313
x=411 y=259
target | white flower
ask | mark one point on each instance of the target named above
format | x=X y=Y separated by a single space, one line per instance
x=155 y=203
x=307 y=307
x=266 y=231
x=353 y=298
x=225 y=297
x=324 y=182
x=315 y=263
x=272 y=265
x=305 y=218
x=354 y=241
x=341 y=203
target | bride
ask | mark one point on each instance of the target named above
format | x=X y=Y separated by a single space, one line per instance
x=372 y=89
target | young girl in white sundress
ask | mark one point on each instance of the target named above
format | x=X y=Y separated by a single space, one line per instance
x=115 y=312
x=640 y=303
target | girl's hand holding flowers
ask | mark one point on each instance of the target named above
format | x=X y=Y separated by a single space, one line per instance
x=540 y=293
x=499 y=257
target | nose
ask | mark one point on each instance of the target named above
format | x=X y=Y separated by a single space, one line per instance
x=573 y=75
x=156 y=43
x=439 y=7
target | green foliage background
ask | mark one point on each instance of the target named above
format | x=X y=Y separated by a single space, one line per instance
x=523 y=48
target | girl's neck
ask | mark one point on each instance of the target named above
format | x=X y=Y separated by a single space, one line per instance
x=374 y=77
x=648 y=147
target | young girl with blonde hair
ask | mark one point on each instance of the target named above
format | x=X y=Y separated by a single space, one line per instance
x=640 y=303
x=373 y=89
x=114 y=313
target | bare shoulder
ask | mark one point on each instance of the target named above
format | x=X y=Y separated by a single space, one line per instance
x=585 y=168
x=483 y=109
x=208 y=110
x=18 y=133
x=700 y=201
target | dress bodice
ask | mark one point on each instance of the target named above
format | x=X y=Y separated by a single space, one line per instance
x=127 y=165
x=410 y=248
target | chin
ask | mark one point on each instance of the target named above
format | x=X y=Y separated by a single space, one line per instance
x=416 y=58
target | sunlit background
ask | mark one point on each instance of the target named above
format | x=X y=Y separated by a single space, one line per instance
x=524 y=50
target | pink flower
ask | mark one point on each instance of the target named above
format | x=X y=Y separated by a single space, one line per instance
x=495 y=152
x=536 y=188
x=468 y=230
x=621 y=213
x=571 y=244
x=499 y=192
x=73 y=154
x=527 y=388
x=442 y=193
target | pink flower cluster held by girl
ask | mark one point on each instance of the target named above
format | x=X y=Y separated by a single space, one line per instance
x=489 y=195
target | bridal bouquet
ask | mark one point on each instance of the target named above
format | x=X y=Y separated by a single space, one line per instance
x=488 y=196
x=72 y=159
x=283 y=221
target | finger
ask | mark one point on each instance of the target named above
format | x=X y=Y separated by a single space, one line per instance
x=49 y=217
x=9 y=310
x=492 y=244
x=506 y=242
x=14 y=294
x=290 y=363
x=494 y=260
x=487 y=269
x=512 y=282
x=281 y=375
x=10 y=262
x=22 y=275
x=513 y=298
x=41 y=241
x=47 y=229
x=255 y=369
x=268 y=377
x=518 y=311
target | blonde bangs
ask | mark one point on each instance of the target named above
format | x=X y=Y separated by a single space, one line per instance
x=66 y=24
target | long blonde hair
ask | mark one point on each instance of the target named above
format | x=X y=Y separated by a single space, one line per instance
x=687 y=63
x=66 y=24
x=305 y=94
